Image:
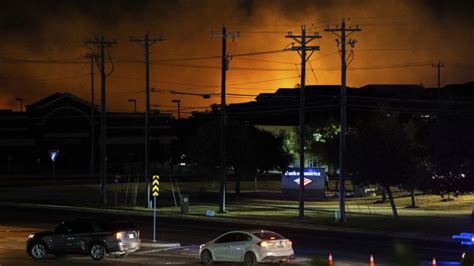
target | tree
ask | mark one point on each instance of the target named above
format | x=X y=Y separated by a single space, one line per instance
x=252 y=150
x=248 y=150
x=323 y=143
x=241 y=151
x=453 y=139
x=203 y=148
x=378 y=149
x=419 y=170
x=271 y=151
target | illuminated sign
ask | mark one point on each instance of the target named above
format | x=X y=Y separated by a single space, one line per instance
x=306 y=182
x=306 y=173
x=314 y=179
x=155 y=186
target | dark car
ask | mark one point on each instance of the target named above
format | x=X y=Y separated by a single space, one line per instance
x=96 y=239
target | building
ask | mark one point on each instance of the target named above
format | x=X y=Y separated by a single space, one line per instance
x=62 y=121
x=279 y=112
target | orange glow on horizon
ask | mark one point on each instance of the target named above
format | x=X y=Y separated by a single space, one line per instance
x=393 y=34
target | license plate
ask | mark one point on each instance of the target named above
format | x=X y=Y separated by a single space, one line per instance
x=130 y=236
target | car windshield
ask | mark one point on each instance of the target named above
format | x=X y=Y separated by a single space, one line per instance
x=267 y=235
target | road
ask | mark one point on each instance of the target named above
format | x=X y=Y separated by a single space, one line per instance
x=347 y=248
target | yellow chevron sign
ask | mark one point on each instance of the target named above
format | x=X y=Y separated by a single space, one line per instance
x=155 y=185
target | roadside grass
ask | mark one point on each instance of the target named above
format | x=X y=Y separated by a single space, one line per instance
x=433 y=215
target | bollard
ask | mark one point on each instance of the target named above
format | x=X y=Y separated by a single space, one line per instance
x=371 y=262
x=330 y=259
x=433 y=262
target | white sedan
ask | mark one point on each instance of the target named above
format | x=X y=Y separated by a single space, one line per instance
x=249 y=247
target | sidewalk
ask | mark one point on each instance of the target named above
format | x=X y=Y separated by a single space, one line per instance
x=262 y=223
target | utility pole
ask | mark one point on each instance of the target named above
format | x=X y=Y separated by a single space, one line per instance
x=101 y=43
x=225 y=67
x=439 y=65
x=92 y=57
x=179 y=107
x=303 y=40
x=342 y=33
x=146 y=41
x=19 y=99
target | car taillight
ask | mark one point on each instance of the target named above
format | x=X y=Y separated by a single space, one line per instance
x=138 y=233
x=118 y=235
x=289 y=243
x=265 y=244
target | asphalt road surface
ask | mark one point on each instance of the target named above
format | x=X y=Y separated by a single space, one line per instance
x=347 y=248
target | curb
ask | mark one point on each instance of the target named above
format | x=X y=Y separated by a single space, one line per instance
x=318 y=228
x=149 y=244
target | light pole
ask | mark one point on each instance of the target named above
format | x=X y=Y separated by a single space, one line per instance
x=157 y=110
x=134 y=101
x=179 y=107
x=21 y=103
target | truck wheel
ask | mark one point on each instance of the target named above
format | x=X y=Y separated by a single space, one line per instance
x=37 y=250
x=97 y=251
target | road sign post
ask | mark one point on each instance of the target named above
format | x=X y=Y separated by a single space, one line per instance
x=155 y=192
x=53 y=154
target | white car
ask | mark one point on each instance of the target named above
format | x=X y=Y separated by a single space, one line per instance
x=249 y=247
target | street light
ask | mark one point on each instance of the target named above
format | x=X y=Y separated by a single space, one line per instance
x=156 y=110
x=19 y=99
x=134 y=104
x=203 y=95
x=179 y=107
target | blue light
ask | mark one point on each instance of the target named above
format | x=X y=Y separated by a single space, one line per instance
x=466 y=238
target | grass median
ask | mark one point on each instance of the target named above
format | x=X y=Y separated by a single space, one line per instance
x=434 y=215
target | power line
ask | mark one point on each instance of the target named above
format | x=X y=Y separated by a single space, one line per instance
x=260 y=53
x=11 y=60
x=267 y=61
x=262 y=81
x=45 y=79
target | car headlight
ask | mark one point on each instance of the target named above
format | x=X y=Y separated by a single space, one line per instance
x=31 y=236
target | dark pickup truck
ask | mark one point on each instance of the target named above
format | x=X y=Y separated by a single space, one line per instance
x=96 y=239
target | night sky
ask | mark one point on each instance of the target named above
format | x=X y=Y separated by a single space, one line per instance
x=400 y=40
